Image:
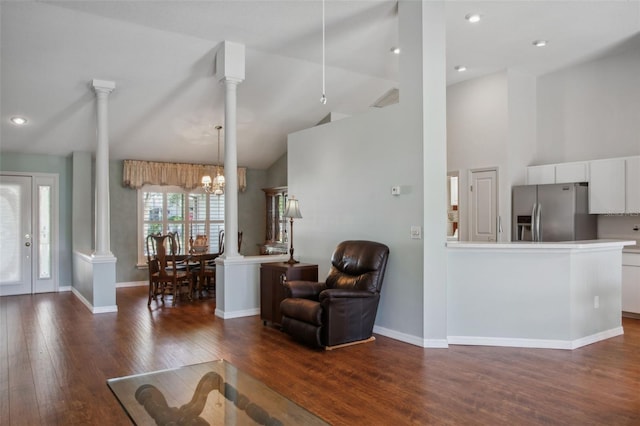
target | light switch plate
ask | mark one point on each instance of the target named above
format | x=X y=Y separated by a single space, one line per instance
x=416 y=232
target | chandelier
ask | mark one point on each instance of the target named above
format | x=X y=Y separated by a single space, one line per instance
x=215 y=186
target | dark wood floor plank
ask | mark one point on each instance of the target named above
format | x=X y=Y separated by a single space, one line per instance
x=23 y=405
x=56 y=357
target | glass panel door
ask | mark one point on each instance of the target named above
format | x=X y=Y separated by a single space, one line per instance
x=15 y=235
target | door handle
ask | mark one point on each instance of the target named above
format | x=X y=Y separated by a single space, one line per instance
x=538 y=230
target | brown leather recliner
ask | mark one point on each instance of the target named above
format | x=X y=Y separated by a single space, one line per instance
x=343 y=308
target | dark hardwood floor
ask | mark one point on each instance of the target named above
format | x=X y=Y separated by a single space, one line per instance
x=55 y=358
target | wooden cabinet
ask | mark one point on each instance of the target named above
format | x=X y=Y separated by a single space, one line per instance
x=276 y=238
x=631 y=283
x=272 y=292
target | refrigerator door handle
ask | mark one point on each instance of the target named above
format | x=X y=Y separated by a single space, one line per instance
x=533 y=222
x=538 y=215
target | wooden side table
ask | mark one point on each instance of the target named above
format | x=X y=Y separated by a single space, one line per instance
x=272 y=292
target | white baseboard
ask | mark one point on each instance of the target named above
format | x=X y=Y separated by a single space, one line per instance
x=94 y=310
x=237 y=314
x=132 y=284
x=414 y=340
x=603 y=335
x=535 y=343
x=64 y=288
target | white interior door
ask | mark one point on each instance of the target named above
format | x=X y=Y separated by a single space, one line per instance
x=16 y=242
x=484 y=205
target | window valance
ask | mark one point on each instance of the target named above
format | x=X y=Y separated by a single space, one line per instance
x=188 y=176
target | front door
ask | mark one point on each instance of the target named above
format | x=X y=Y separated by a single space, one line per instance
x=16 y=242
x=484 y=205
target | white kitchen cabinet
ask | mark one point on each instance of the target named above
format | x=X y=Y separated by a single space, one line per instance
x=607 y=186
x=539 y=175
x=631 y=283
x=632 y=185
x=558 y=173
x=572 y=172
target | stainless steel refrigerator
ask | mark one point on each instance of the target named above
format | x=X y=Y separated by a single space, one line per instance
x=556 y=212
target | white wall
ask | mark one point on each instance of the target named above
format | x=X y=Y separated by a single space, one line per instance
x=477 y=137
x=342 y=173
x=590 y=111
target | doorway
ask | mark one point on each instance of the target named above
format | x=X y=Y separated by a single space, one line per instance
x=483 y=204
x=453 y=212
x=28 y=233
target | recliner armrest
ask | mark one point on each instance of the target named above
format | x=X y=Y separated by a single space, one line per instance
x=304 y=289
x=337 y=293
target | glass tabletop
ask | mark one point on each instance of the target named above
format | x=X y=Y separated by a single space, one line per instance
x=211 y=393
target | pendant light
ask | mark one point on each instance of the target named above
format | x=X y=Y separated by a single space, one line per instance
x=215 y=186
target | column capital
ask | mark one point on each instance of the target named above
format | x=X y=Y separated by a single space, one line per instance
x=229 y=66
x=230 y=80
x=103 y=86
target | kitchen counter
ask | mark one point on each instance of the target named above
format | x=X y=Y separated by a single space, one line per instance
x=560 y=295
x=528 y=245
x=632 y=249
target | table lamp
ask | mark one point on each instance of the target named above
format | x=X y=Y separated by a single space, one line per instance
x=292 y=210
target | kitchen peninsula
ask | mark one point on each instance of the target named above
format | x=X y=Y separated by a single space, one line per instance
x=560 y=295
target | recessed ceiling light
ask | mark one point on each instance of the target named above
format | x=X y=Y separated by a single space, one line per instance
x=473 y=17
x=540 y=43
x=395 y=50
x=18 y=121
x=460 y=68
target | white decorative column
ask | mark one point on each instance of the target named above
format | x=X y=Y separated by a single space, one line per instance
x=103 y=243
x=230 y=71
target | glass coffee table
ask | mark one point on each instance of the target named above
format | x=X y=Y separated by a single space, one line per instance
x=211 y=393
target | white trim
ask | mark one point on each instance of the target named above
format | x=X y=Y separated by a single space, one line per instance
x=85 y=302
x=105 y=309
x=102 y=258
x=132 y=284
x=535 y=343
x=64 y=288
x=606 y=334
x=407 y=338
x=237 y=314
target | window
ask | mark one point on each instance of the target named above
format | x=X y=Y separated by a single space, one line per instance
x=44 y=230
x=172 y=209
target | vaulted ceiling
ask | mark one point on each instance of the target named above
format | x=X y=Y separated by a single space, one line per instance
x=167 y=101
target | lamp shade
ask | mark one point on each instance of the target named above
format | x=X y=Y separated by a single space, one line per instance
x=206 y=180
x=292 y=209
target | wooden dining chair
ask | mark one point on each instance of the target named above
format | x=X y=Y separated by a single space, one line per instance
x=164 y=273
x=208 y=274
x=221 y=241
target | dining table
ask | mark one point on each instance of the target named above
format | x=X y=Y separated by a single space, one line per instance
x=199 y=260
